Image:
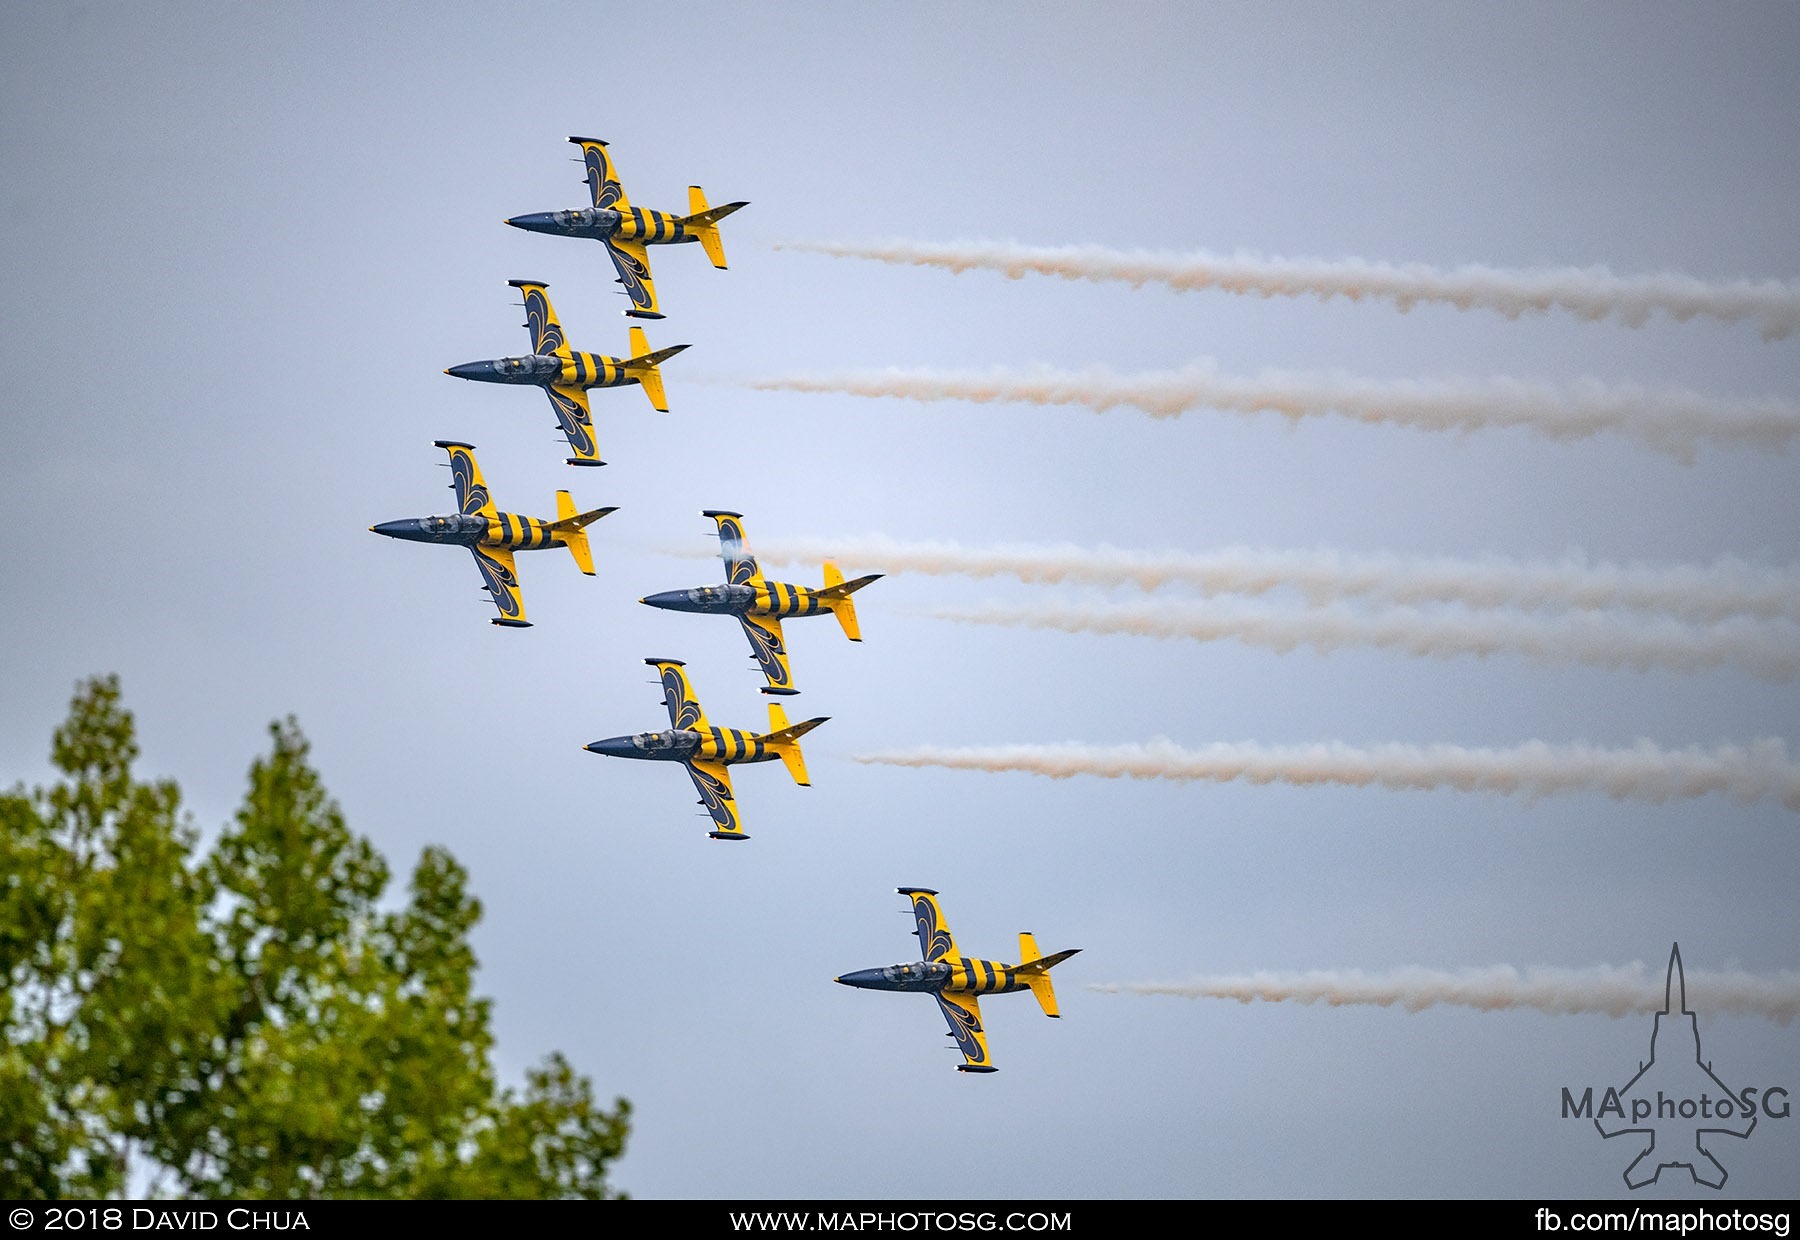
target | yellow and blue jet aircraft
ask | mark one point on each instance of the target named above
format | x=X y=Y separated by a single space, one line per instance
x=760 y=604
x=957 y=981
x=706 y=751
x=566 y=375
x=625 y=230
x=492 y=536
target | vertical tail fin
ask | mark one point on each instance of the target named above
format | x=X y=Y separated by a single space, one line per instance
x=784 y=739
x=1036 y=971
x=836 y=596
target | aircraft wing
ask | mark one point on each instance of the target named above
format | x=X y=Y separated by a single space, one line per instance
x=465 y=479
x=713 y=783
x=684 y=707
x=634 y=275
x=576 y=420
x=741 y=567
x=501 y=577
x=764 y=633
x=934 y=932
x=602 y=179
x=963 y=1014
x=540 y=319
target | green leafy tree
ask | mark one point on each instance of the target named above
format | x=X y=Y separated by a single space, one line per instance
x=250 y=1022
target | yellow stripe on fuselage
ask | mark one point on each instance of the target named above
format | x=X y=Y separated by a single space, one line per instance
x=983 y=977
x=590 y=370
x=730 y=745
x=649 y=227
x=779 y=599
x=517 y=533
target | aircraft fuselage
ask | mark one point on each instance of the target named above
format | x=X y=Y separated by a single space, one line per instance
x=601 y=223
x=725 y=745
x=960 y=976
x=579 y=370
x=503 y=529
x=768 y=598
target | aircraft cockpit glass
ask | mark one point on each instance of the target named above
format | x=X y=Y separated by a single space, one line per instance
x=586 y=218
x=535 y=365
x=650 y=742
x=461 y=523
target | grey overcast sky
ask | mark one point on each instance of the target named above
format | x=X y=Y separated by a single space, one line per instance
x=243 y=242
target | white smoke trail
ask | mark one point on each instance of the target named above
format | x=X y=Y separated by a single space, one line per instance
x=1644 y=772
x=1698 y=592
x=1586 y=292
x=1770 y=650
x=1671 y=420
x=1617 y=991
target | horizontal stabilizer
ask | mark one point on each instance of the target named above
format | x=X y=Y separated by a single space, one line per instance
x=784 y=739
x=702 y=223
x=642 y=367
x=571 y=526
x=836 y=597
x=1035 y=970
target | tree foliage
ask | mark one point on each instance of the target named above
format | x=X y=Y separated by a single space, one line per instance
x=251 y=1022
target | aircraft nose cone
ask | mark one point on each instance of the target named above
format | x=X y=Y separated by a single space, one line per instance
x=472 y=370
x=612 y=747
x=861 y=978
x=397 y=529
x=537 y=221
x=672 y=600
